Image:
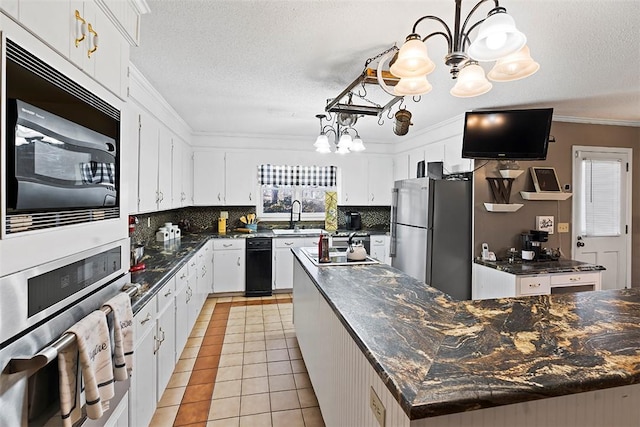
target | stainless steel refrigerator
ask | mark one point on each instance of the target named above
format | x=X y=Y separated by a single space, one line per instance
x=431 y=232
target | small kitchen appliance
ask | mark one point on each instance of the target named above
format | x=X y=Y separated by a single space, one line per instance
x=532 y=242
x=353 y=221
x=355 y=251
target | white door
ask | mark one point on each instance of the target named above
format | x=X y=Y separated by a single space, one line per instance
x=602 y=211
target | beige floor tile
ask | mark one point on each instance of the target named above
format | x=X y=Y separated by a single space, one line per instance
x=254 y=356
x=289 y=333
x=268 y=298
x=257 y=420
x=198 y=332
x=302 y=380
x=284 y=400
x=255 y=385
x=250 y=346
x=164 y=417
x=225 y=422
x=254 y=336
x=240 y=321
x=232 y=348
x=281 y=382
x=294 y=353
x=254 y=320
x=233 y=338
x=276 y=344
x=194 y=342
x=258 y=327
x=254 y=404
x=271 y=317
x=253 y=371
x=190 y=353
x=171 y=397
x=235 y=329
x=291 y=418
x=292 y=342
x=231 y=359
x=229 y=373
x=270 y=308
x=279 y=368
x=185 y=365
x=298 y=366
x=239 y=298
x=179 y=379
x=274 y=335
x=273 y=327
x=224 y=408
x=312 y=417
x=224 y=389
x=236 y=314
x=307 y=398
x=224 y=299
x=277 y=355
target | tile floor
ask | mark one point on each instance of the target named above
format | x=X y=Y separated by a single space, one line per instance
x=241 y=367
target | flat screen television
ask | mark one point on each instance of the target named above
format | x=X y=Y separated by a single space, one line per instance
x=507 y=134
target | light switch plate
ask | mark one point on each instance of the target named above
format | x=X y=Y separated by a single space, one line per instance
x=563 y=227
x=377 y=408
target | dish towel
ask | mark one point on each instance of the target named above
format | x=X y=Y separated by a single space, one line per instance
x=122 y=335
x=91 y=350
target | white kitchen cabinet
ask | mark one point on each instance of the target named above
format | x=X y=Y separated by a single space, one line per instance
x=379 y=244
x=149 y=134
x=193 y=299
x=380 y=181
x=241 y=179
x=228 y=265
x=120 y=415
x=489 y=283
x=184 y=292
x=181 y=180
x=401 y=167
x=58 y=29
x=204 y=263
x=165 y=336
x=164 y=170
x=354 y=189
x=208 y=178
x=142 y=396
x=453 y=161
x=283 y=259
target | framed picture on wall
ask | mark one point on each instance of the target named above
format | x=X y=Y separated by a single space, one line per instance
x=545 y=180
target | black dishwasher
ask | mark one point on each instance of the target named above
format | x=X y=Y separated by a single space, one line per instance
x=258 y=267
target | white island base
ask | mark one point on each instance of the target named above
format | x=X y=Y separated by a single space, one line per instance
x=342 y=378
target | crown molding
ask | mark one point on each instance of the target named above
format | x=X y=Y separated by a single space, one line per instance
x=594 y=121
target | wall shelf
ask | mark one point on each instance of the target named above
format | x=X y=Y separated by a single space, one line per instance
x=532 y=195
x=502 y=207
x=511 y=173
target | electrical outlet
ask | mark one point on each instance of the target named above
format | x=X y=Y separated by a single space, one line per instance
x=376 y=406
x=563 y=227
x=224 y=214
x=149 y=222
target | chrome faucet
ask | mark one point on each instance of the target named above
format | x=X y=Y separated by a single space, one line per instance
x=291 y=223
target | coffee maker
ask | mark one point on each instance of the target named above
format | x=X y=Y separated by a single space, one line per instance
x=353 y=221
x=532 y=241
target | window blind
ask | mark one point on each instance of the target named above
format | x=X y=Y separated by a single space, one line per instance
x=307 y=176
x=601 y=197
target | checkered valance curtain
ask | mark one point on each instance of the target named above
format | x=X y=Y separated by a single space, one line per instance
x=310 y=176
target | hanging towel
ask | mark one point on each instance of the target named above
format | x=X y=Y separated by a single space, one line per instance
x=92 y=350
x=122 y=335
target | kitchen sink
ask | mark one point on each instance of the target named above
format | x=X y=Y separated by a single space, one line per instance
x=299 y=232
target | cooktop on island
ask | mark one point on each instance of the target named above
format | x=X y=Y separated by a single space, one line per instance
x=337 y=258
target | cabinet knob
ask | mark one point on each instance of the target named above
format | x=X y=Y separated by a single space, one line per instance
x=168 y=293
x=250 y=197
x=93 y=41
x=146 y=319
x=81 y=28
x=218 y=196
x=288 y=243
x=574 y=279
x=534 y=285
x=238 y=262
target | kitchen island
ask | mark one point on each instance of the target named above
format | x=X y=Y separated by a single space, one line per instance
x=372 y=336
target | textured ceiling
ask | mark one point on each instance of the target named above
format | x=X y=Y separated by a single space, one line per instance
x=268 y=67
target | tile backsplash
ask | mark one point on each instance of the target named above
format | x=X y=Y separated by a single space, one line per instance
x=206 y=219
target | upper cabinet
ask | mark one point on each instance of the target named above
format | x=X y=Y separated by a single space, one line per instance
x=225 y=178
x=95 y=36
x=208 y=178
x=241 y=178
x=366 y=181
x=181 y=172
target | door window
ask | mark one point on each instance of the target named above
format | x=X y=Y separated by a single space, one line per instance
x=600 y=198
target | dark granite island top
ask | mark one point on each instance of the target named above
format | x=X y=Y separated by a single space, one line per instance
x=540 y=267
x=439 y=356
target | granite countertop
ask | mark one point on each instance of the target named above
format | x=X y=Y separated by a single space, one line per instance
x=163 y=260
x=540 y=267
x=458 y=356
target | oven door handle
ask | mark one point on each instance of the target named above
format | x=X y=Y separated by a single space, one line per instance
x=50 y=353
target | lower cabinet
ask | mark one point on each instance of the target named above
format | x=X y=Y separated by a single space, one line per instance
x=380 y=248
x=165 y=351
x=204 y=260
x=228 y=265
x=142 y=396
x=282 y=261
x=490 y=283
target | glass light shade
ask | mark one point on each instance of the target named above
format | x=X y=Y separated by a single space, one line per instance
x=413 y=60
x=345 y=142
x=342 y=150
x=321 y=141
x=323 y=149
x=471 y=82
x=357 y=144
x=514 y=67
x=412 y=86
x=497 y=38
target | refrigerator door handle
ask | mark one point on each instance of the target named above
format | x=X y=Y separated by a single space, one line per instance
x=394 y=217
